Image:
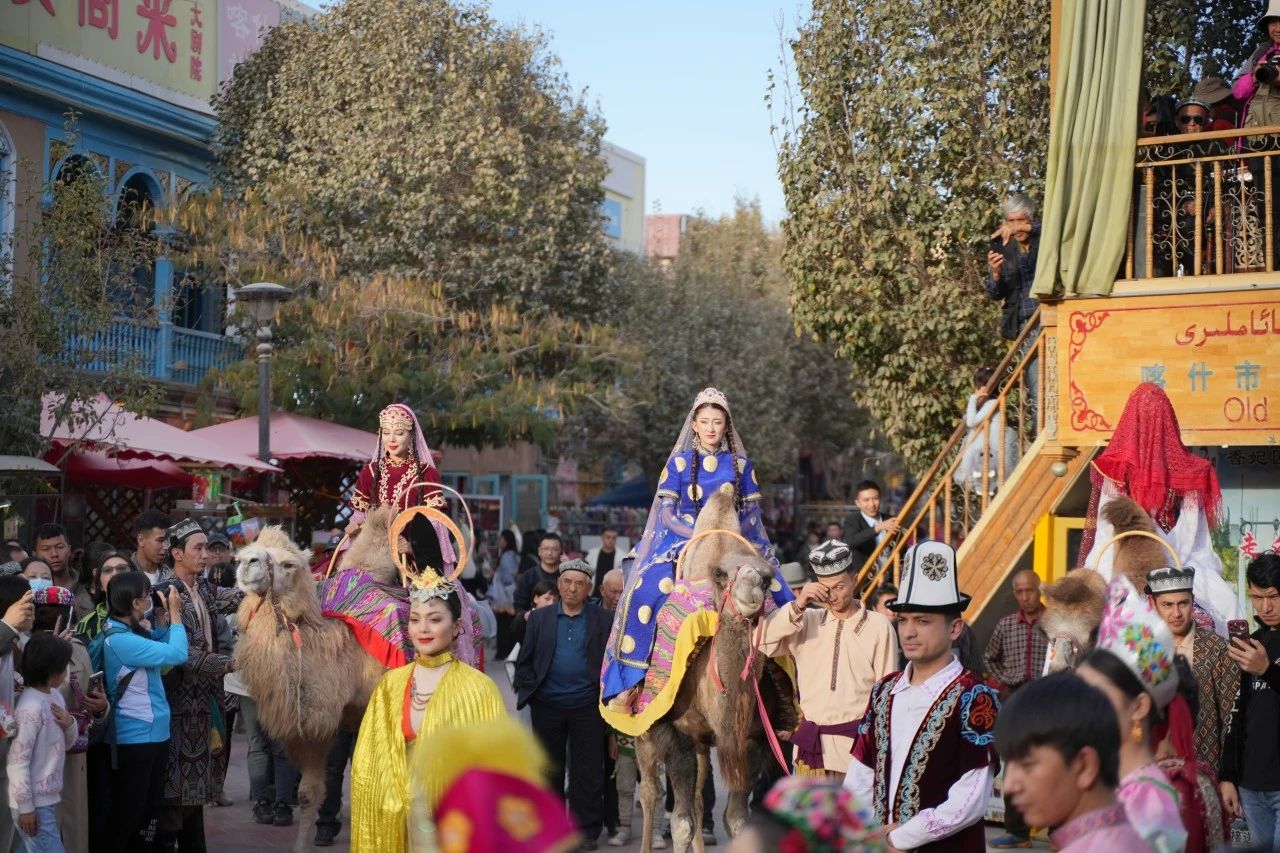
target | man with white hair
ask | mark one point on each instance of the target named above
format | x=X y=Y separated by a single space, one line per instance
x=1011 y=259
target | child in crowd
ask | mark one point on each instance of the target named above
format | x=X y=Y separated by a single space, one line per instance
x=37 y=755
x=1060 y=741
x=982 y=447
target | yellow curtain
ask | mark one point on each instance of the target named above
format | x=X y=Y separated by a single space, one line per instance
x=1089 y=185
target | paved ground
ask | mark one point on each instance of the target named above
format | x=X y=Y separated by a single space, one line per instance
x=233 y=830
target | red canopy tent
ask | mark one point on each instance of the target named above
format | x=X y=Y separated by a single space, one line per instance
x=125 y=435
x=295 y=436
x=99 y=469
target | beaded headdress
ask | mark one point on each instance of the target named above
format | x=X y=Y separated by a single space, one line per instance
x=710 y=395
x=396 y=416
x=427 y=584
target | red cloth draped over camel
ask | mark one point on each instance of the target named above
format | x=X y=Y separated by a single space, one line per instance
x=1147 y=461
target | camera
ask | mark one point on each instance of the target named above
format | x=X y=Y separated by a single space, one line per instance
x=160 y=592
x=1268 y=74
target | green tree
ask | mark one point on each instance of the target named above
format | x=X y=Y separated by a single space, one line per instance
x=75 y=304
x=718 y=316
x=1188 y=40
x=432 y=142
x=899 y=135
x=348 y=344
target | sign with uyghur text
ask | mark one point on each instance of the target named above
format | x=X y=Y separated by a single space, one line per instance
x=171 y=44
x=1217 y=356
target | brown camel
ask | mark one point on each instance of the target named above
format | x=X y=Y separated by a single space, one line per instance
x=306 y=672
x=702 y=715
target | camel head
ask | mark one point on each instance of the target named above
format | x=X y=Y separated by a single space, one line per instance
x=746 y=580
x=272 y=559
x=1073 y=611
x=370 y=551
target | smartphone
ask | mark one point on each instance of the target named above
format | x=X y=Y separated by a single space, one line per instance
x=96 y=681
x=1238 y=629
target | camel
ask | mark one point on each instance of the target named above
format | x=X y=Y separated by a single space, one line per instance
x=308 y=674
x=702 y=715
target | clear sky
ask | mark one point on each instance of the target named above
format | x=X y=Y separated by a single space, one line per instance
x=682 y=84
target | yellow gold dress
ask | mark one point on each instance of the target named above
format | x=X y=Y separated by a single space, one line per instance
x=380 y=796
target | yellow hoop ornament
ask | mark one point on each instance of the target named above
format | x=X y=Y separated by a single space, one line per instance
x=1177 y=564
x=713 y=532
x=431 y=514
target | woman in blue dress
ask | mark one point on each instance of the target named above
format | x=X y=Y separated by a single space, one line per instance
x=708 y=454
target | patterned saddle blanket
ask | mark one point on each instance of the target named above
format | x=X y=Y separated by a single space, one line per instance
x=377 y=613
x=686 y=599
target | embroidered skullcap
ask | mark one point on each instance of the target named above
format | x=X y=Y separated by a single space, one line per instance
x=11 y=567
x=830 y=558
x=929 y=583
x=1133 y=632
x=56 y=596
x=182 y=531
x=577 y=566
x=824 y=816
x=1169 y=579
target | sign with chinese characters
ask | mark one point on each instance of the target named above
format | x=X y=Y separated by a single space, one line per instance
x=1217 y=356
x=242 y=24
x=170 y=44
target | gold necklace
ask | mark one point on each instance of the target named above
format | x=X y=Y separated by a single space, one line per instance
x=418 y=699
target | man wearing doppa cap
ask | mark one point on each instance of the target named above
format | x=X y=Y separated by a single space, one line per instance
x=841 y=650
x=558 y=677
x=923 y=755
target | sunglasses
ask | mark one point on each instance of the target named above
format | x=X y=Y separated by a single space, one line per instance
x=1192 y=119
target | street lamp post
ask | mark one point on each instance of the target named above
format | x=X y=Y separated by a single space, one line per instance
x=263 y=299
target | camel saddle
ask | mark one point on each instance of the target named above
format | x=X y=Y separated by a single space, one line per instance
x=376 y=613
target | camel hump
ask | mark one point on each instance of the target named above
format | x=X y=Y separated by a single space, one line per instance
x=1125 y=514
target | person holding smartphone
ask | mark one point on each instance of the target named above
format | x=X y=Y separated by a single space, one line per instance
x=1250 y=770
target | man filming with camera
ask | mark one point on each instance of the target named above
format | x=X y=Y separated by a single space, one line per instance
x=1258 y=88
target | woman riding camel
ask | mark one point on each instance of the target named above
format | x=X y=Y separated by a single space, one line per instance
x=400 y=475
x=708 y=454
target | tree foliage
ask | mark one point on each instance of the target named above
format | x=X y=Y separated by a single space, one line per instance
x=718 y=316
x=346 y=344
x=898 y=137
x=1187 y=40
x=432 y=142
x=904 y=127
x=75 y=305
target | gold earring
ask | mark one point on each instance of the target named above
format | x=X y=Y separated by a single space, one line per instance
x=1135 y=732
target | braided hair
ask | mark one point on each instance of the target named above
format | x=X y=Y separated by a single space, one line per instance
x=696 y=462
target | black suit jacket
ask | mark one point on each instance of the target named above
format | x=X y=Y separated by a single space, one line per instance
x=862 y=538
x=539 y=646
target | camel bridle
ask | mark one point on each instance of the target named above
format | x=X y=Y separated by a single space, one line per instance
x=283 y=623
x=756 y=637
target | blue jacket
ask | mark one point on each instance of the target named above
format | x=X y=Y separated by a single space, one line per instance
x=142 y=713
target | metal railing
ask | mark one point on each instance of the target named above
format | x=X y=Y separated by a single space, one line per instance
x=1205 y=204
x=195 y=353
x=161 y=351
x=975 y=462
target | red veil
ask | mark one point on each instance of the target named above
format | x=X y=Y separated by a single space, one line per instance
x=1147 y=461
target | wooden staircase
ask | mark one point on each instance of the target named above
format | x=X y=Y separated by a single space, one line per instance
x=1006 y=531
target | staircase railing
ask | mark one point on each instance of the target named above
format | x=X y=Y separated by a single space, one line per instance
x=975 y=462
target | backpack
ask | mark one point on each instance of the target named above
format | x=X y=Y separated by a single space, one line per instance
x=97 y=648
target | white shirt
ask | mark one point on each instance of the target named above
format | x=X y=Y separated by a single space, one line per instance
x=872 y=522
x=966 y=801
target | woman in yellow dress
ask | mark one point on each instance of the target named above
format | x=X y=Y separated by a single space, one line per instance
x=434 y=693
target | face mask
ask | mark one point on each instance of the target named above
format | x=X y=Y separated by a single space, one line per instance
x=38 y=584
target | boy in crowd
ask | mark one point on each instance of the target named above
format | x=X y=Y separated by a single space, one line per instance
x=1061 y=747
